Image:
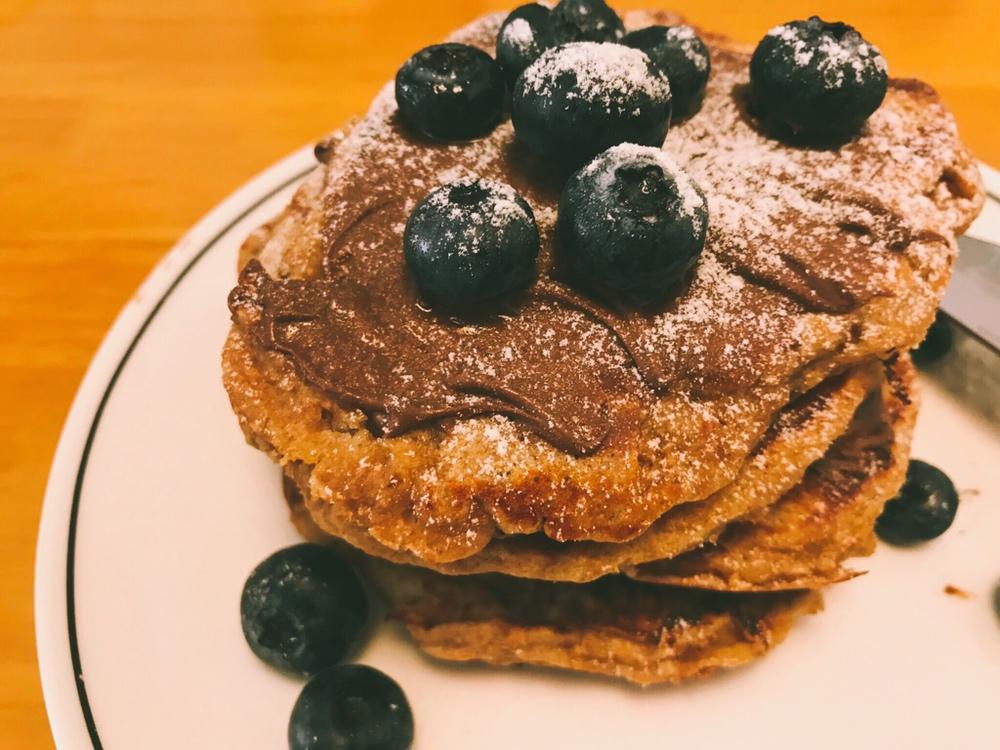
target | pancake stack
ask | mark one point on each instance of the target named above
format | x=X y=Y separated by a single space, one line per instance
x=650 y=495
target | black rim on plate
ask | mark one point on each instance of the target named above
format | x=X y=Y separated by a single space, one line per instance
x=74 y=648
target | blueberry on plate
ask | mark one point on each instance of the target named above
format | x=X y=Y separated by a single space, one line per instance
x=683 y=56
x=351 y=707
x=579 y=99
x=587 y=21
x=525 y=34
x=450 y=91
x=924 y=508
x=817 y=79
x=471 y=241
x=303 y=609
x=631 y=223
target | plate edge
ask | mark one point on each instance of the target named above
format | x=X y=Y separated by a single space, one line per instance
x=62 y=687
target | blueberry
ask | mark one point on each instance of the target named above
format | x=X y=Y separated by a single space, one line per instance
x=578 y=99
x=586 y=21
x=351 y=707
x=817 y=79
x=937 y=343
x=923 y=509
x=450 y=91
x=631 y=223
x=303 y=609
x=683 y=56
x=470 y=241
x=525 y=34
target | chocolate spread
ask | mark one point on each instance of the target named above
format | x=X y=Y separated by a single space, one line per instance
x=786 y=237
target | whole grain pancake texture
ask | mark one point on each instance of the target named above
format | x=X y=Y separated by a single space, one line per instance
x=703 y=467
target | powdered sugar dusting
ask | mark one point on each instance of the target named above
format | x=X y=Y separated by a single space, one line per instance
x=632 y=154
x=500 y=206
x=518 y=34
x=835 y=57
x=776 y=213
x=688 y=41
x=708 y=372
x=611 y=74
x=768 y=202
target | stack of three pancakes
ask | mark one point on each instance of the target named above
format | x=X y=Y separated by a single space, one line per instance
x=649 y=494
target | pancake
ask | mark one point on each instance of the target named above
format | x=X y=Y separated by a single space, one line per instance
x=643 y=633
x=796 y=536
x=800 y=436
x=651 y=413
x=803 y=539
x=647 y=632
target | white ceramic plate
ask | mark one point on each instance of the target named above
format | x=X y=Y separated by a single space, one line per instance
x=156 y=511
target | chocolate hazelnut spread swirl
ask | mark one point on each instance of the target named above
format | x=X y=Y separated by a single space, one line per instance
x=366 y=337
x=793 y=233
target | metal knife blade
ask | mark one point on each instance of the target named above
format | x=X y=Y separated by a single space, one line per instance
x=973 y=296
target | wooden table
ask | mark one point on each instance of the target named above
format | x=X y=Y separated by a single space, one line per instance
x=121 y=122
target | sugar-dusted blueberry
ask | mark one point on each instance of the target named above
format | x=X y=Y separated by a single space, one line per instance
x=304 y=609
x=683 y=56
x=450 y=91
x=351 y=707
x=587 y=21
x=631 y=223
x=579 y=99
x=525 y=34
x=816 y=79
x=924 y=508
x=471 y=241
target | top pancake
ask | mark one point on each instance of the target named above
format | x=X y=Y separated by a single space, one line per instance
x=815 y=260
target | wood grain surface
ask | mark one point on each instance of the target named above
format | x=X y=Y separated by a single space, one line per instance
x=123 y=121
